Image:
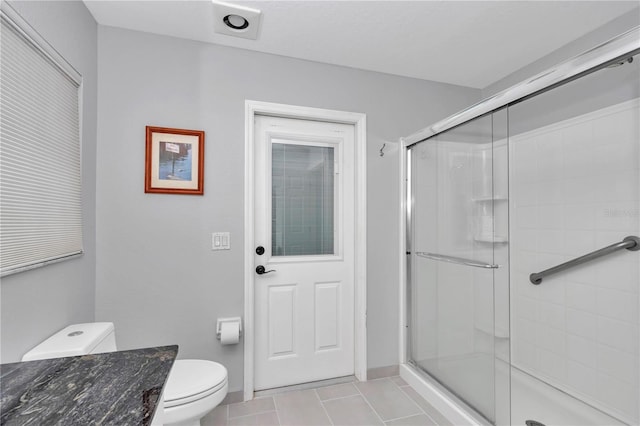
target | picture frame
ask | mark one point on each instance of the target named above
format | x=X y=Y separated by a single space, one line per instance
x=174 y=161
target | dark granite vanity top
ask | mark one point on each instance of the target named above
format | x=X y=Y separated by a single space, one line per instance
x=116 y=388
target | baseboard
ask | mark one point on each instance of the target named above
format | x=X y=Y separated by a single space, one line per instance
x=233 y=397
x=380 y=372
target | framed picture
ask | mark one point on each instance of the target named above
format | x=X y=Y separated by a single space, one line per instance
x=174 y=161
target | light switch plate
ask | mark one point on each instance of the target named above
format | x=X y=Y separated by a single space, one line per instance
x=220 y=241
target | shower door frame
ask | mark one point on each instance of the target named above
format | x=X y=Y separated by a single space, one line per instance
x=607 y=53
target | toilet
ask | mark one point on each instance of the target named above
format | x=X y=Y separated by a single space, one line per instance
x=194 y=386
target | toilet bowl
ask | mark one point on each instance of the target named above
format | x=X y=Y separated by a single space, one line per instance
x=194 y=386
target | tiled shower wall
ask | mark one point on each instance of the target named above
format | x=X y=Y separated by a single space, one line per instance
x=575 y=188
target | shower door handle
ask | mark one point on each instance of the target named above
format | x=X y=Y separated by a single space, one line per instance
x=457 y=260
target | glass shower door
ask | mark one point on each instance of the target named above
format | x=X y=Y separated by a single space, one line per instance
x=458 y=234
x=575 y=188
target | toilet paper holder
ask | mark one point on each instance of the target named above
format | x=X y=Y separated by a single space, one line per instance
x=227 y=320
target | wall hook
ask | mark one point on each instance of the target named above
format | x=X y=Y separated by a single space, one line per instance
x=382 y=150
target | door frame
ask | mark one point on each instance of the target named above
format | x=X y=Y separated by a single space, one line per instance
x=359 y=121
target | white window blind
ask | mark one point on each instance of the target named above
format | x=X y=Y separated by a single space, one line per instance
x=40 y=173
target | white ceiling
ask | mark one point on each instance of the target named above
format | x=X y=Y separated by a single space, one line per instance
x=470 y=43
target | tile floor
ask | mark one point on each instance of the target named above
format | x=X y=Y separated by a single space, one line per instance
x=386 y=401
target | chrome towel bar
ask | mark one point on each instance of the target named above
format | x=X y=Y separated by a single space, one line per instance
x=456 y=260
x=631 y=243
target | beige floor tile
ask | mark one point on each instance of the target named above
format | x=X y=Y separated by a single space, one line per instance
x=418 y=420
x=398 y=381
x=337 y=391
x=217 y=417
x=300 y=408
x=387 y=399
x=428 y=408
x=262 y=419
x=351 y=411
x=255 y=406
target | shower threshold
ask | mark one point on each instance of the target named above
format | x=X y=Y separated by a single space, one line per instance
x=531 y=399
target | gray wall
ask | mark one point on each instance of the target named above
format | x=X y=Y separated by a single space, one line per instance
x=600 y=89
x=600 y=35
x=157 y=277
x=37 y=303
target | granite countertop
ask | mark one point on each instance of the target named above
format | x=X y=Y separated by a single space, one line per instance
x=115 y=388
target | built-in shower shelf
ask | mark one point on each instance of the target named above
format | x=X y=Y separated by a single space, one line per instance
x=491 y=240
x=490 y=198
x=499 y=332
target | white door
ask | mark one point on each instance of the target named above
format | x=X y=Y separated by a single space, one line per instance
x=304 y=228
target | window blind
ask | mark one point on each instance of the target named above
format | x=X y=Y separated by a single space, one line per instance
x=40 y=171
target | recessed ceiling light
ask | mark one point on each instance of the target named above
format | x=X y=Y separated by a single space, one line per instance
x=235 y=22
x=238 y=21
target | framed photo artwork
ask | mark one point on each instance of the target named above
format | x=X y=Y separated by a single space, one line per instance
x=174 y=161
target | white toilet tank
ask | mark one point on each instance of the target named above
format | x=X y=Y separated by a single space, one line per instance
x=77 y=339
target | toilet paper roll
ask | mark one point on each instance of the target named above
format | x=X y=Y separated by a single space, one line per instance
x=229 y=333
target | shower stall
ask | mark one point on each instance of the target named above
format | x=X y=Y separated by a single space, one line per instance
x=507 y=322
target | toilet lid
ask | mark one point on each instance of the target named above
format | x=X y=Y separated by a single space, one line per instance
x=192 y=379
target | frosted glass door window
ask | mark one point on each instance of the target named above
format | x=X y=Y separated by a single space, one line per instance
x=303 y=200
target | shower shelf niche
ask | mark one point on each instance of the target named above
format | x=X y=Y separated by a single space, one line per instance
x=489 y=198
x=485 y=220
x=491 y=240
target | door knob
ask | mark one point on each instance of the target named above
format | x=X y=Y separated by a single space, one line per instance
x=261 y=270
x=259 y=250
